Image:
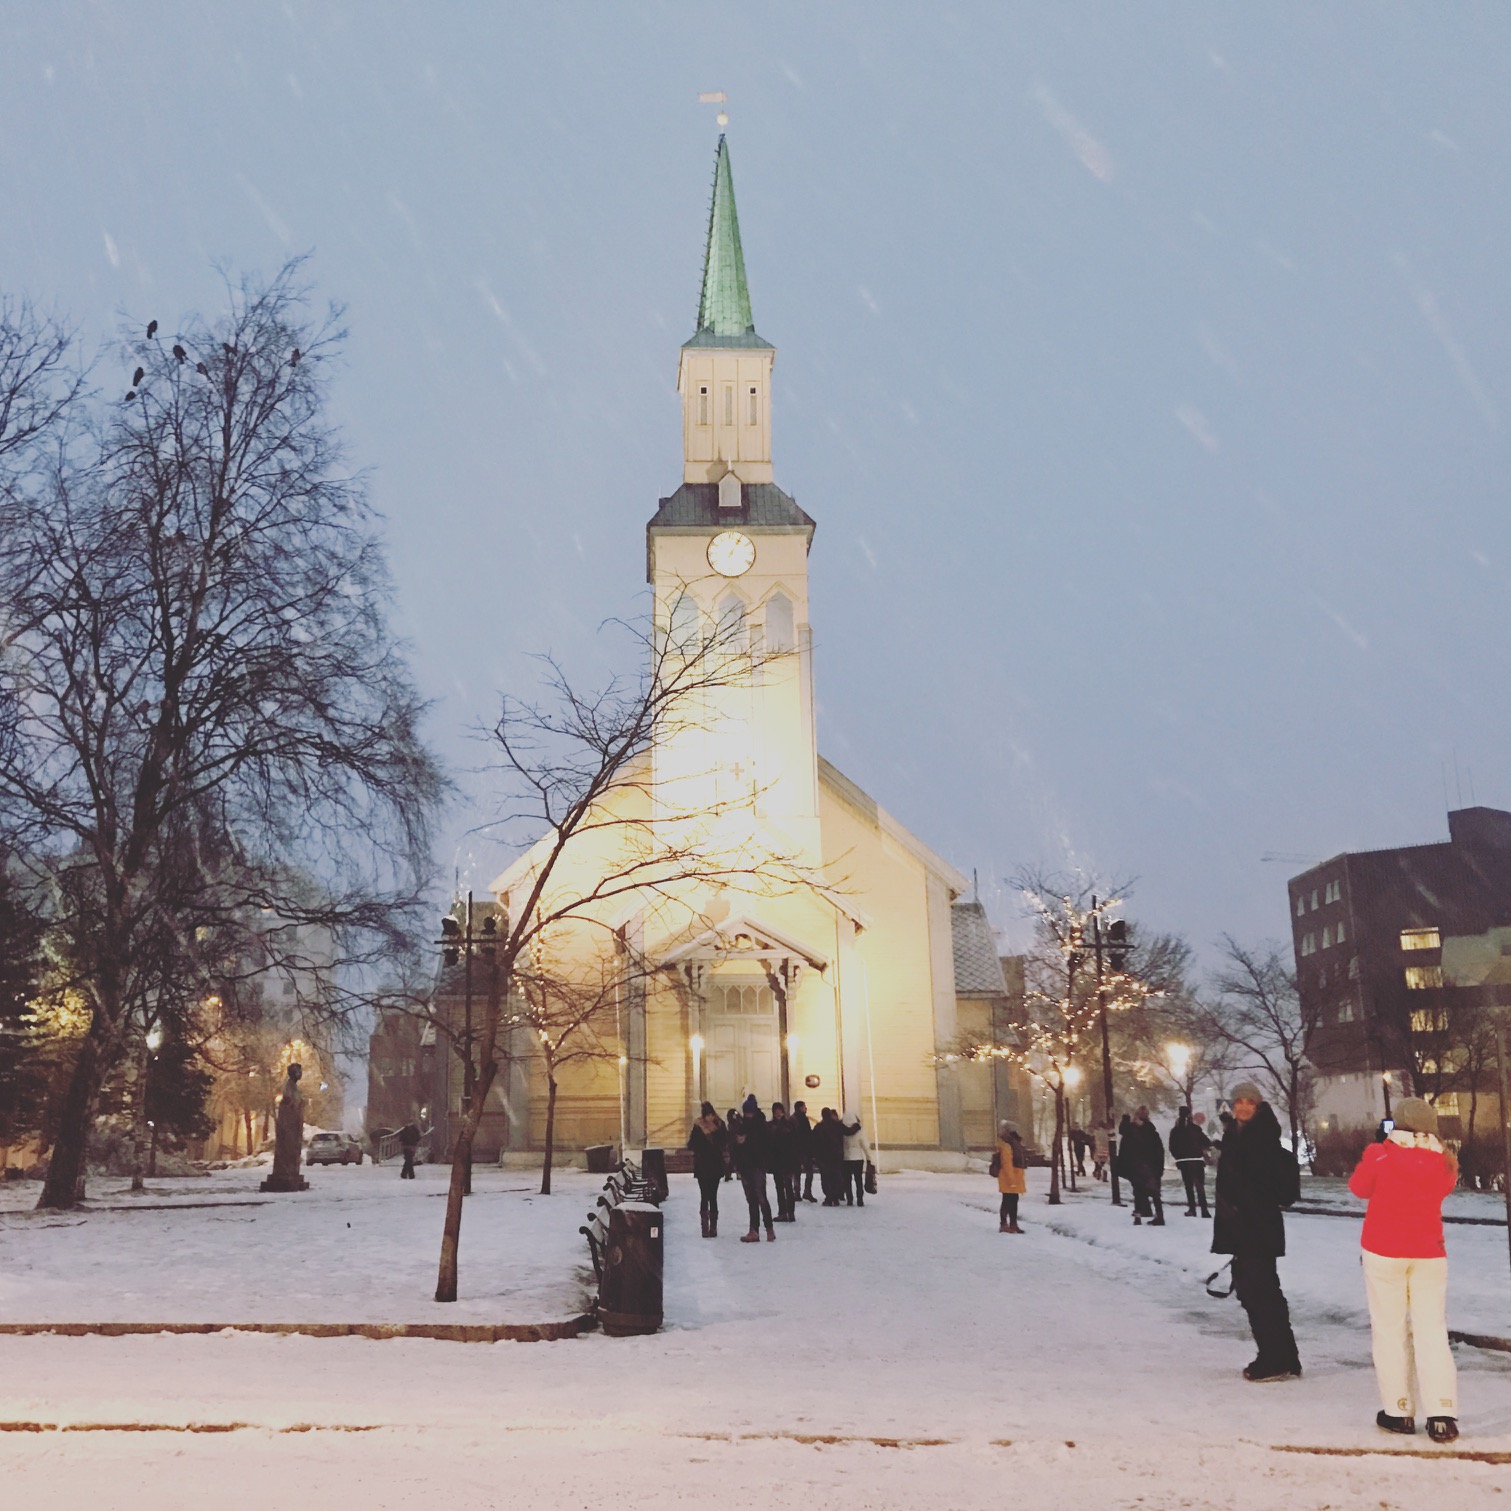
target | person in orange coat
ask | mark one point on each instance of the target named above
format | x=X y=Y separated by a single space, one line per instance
x=1404 y=1180
x=1012 y=1177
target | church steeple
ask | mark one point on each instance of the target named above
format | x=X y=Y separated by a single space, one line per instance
x=725 y=372
x=724 y=301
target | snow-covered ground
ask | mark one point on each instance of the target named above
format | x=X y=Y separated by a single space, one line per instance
x=906 y=1355
x=360 y=1246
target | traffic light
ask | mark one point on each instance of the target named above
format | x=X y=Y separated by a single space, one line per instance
x=451 y=936
x=1117 y=943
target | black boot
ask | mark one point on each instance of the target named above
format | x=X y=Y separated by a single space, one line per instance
x=1406 y=1426
x=1443 y=1429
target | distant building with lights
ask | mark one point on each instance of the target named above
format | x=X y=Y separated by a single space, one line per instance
x=1401 y=955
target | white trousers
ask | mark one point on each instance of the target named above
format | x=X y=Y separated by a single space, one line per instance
x=1409 y=1321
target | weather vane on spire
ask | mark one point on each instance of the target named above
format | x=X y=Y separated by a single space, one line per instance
x=716 y=97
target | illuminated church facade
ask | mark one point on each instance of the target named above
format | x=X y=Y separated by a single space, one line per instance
x=841 y=993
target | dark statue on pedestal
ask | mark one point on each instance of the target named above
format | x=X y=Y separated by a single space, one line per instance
x=288 y=1146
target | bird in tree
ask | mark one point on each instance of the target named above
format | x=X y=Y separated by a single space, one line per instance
x=294 y=360
x=227 y=348
x=201 y=369
x=179 y=352
x=137 y=376
x=151 y=329
x=130 y=395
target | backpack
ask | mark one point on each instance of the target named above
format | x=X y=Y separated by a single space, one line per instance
x=995 y=1168
x=1288 y=1179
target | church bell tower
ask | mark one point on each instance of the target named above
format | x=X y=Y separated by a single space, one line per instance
x=730 y=549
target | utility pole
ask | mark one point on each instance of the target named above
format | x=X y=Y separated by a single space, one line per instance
x=1505 y=1101
x=1112 y=1137
x=460 y=936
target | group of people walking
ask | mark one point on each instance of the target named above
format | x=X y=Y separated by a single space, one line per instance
x=790 y=1148
x=1404 y=1177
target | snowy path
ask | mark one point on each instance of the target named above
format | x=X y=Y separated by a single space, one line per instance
x=913 y=1319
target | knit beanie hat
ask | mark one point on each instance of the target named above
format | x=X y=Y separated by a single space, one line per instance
x=751 y=1106
x=1246 y=1091
x=1416 y=1116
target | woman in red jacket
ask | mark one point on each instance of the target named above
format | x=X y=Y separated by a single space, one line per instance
x=1404 y=1181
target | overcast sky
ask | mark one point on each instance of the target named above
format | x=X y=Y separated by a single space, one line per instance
x=1146 y=368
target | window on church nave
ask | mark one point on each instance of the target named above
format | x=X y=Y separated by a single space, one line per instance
x=780 y=632
x=753 y=415
x=703 y=404
x=684 y=626
x=729 y=403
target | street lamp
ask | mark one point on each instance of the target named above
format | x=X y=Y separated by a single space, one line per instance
x=1385 y=1084
x=458 y=938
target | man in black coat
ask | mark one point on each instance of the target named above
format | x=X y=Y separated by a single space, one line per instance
x=782 y=1132
x=1256 y=1177
x=752 y=1154
x=1188 y=1148
x=1143 y=1151
x=804 y=1126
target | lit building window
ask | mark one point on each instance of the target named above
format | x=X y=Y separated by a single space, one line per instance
x=1308 y=944
x=1447 y=1104
x=1423 y=977
x=1428 y=1020
x=1421 y=939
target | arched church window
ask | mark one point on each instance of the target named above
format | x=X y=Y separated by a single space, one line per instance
x=781 y=634
x=729 y=403
x=731 y=622
x=684 y=625
x=754 y=415
x=703 y=404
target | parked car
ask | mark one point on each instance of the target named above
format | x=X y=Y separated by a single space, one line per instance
x=333 y=1149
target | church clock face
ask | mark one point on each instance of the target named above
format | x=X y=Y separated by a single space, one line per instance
x=731 y=554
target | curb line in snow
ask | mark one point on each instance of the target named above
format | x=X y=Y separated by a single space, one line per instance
x=1480 y=1340
x=445 y=1332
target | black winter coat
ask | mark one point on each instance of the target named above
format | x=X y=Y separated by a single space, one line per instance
x=752 y=1147
x=1142 y=1151
x=708 y=1151
x=1187 y=1141
x=784 y=1145
x=828 y=1142
x=1256 y=1176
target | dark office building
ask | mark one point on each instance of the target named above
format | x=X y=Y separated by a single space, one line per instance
x=1399 y=953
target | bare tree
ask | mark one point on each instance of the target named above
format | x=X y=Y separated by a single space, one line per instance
x=1063 y=998
x=580 y=784
x=209 y=739
x=570 y=1011
x=1258 y=1011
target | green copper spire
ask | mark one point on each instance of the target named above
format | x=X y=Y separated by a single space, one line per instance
x=724 y=304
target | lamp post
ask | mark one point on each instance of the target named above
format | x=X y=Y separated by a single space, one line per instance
x=458 y=937
x=1385 y=1084
x=154 y=1043
x=1072 y=1080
